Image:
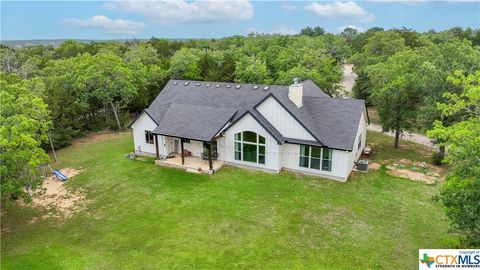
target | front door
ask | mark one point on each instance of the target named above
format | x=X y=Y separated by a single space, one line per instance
x=176 y=144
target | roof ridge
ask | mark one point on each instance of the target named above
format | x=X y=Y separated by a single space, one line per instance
x=233 y=83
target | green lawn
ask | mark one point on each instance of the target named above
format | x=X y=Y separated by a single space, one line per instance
x=143 y=216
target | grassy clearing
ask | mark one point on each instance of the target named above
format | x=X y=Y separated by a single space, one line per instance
x=383 y=149
x=143 y=216
x=373 y=115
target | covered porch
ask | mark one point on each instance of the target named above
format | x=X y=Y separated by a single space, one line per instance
x=187 y=136
x=191 y=164
x=195 y=156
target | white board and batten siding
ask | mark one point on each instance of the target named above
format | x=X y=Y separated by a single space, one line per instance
x=361 y=134
x=283 y=121
x=144 y=122
x=291 y=162
x=248 y=123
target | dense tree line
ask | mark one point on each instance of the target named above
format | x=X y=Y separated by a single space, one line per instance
x=93 y=86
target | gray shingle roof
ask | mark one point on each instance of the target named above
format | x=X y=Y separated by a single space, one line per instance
x=194 y=122
x=333 y=121
x=197 y=109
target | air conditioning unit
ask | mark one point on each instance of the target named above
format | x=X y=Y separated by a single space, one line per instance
x=362 y=165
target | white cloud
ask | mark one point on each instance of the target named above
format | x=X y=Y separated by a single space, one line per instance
x=181 y=11
x=111 y=27
x=349 y=11
x=280 y=30
x=358 y=28
x=288 y=6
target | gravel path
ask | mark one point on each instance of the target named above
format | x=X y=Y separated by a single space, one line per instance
x=349 y=77
x=348 y=81
x=409 y=136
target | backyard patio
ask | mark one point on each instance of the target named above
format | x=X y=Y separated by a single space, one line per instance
x=192 y=164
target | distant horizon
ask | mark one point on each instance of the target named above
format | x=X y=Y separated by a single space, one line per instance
x=111 y=20
x=202 y=38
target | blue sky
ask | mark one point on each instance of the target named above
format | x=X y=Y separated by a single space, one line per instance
x=213 y=19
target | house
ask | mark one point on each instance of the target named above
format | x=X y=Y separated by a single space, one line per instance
x=203 y=125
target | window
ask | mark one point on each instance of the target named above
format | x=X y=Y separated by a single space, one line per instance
x=326 y=159
x=149 y=137
x=359 y=141
x=304 y=156
x=310 y=157
x=315 y=157
x=250 y=147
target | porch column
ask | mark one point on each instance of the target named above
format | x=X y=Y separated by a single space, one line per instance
x=183 y=154
x=210 y=156
x=156 y=147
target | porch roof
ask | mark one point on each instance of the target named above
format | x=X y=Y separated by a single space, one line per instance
x=196 y=122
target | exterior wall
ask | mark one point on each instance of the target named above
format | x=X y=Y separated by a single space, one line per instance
x=169 y=144
x=196 y=147
x=340 y=160
x=356 y=153
x=221 y=148
x=248 y=123
x=144 y=122
x=282 y=120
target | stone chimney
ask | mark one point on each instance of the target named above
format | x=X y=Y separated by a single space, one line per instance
x=295 y=93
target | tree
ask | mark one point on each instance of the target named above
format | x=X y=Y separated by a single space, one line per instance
x=410 y=37
x=461 y=192
x=379 y=47
x=30 y=68
x=312 y=32
x=69 y=101
x=395 y=92
x=184 y=64
x=9 y=60
x=109 y=81
x=359 y=40
x=69 y=48
x=349 y=34
x=143 y=53
x=251 y=70
x=142 y=59
x=24 y=122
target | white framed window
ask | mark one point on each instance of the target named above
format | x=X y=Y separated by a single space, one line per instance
x=327 y=159
x=250 y=147
x=149 y=137
x=315 y=157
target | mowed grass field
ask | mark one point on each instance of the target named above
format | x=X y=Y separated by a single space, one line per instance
x=141 y=216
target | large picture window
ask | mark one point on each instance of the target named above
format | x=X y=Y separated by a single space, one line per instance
x=315 y=157
x=149 y=137
x=250 y=147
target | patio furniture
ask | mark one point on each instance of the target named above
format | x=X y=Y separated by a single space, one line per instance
x=204 y=157
x=187 y=153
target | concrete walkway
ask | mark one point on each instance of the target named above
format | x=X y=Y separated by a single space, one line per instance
x=348 y=81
